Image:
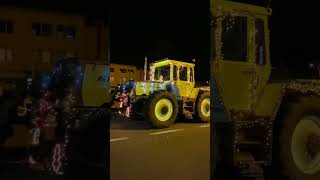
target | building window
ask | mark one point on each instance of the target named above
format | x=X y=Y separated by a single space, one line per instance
x=111 y=69
x=60 y=55
x=130 y=71
x=6 y=26
x=70 y=55
x=6 y=55
x=123 y=70
x=67 y=31
x=42 y=56
x=2 y=55
x=39 y=29
x=111 y=78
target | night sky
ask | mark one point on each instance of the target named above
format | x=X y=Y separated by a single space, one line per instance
x=159 y=29
x=181 y=31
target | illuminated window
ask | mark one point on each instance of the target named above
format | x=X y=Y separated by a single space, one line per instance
x=70 y=55
x=124 y=79
x=123 y=70
x=111 y=78
x=130 y=71
x=42 y=56
x=46 y=56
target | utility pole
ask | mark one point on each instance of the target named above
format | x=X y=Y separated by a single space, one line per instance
x=145 y=68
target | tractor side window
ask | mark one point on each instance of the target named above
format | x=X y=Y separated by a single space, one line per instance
x=162 y=73
x=191 y=75
x=183 y=74
x=260 y=42
x=234 y=39
x=175 y=72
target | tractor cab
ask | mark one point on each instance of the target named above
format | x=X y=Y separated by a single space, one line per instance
x=177 y=72
x=240 y=51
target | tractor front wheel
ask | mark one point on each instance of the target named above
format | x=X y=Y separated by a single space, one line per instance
x=300 y=140
x=161 y=109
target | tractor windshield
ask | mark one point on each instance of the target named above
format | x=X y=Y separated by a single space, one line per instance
x=162 y=73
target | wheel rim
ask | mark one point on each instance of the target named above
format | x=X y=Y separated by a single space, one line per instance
x=163 y=110
x=305 y=145
x=205 y=107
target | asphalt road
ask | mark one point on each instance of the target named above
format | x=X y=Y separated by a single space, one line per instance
x=139 y=152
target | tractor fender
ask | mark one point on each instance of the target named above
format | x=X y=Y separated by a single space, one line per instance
x=197 y=91
x=272 y=102
x=293 y=91
x=280 y=96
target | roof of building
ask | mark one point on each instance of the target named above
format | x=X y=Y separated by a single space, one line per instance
x=126 y=65
x=66 y=7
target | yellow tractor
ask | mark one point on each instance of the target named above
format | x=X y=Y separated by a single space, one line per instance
x=171 y=91
x=270 y=121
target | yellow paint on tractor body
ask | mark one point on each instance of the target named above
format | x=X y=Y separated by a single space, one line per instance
x=185 y=83
x=242 y=82
x=95 y=87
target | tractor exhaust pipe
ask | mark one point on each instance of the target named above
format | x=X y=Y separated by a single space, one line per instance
x=145 y=68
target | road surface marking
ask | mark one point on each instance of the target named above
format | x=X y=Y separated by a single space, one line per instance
x=118 y=139
x=205 y=126
x=164 y=132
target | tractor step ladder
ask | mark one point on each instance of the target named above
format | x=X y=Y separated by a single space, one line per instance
x=249 y=168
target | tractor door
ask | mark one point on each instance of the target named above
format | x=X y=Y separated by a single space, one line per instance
x=184 y=81
x=240 y=63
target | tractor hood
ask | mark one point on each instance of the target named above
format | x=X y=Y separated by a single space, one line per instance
x=146 y=87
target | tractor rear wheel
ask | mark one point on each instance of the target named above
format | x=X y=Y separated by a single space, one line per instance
x=161 y=109
x=203 y=107
x=299 y=142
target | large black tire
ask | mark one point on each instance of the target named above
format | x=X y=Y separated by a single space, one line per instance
x=137 y=108
x=301 y=121
x=167 y=104
x=202 y=113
